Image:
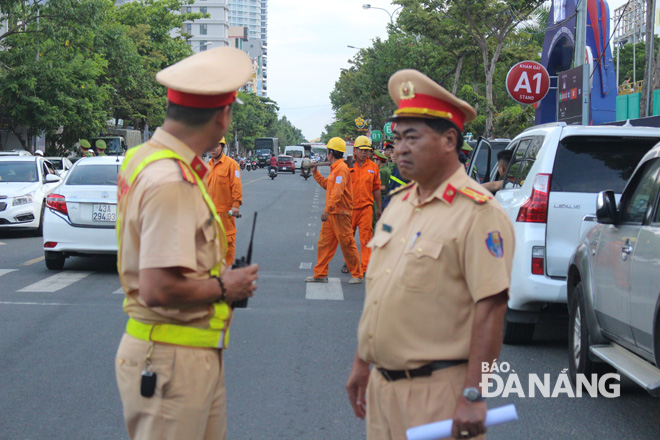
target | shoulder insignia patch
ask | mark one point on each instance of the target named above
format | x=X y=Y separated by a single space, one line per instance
x=449 y=194
x=473 y=195
x=400 y=189
x=186 y=173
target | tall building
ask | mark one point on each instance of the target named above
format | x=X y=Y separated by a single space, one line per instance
x=253 y=14
x=209 y=32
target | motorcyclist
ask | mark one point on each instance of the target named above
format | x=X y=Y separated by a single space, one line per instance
x=305 y=166
x=273 y=163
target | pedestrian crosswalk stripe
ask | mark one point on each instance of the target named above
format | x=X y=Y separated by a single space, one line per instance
x=56 y=282
x=325 y=291
x=1 y=243
x=6 y=271
x=309 y=248
x=311 y=234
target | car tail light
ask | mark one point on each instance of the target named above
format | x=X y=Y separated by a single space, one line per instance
x=535 y=209
x=57 y=202
x=538 y=260
x=50 y=244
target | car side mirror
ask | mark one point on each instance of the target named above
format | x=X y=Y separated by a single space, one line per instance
x=52 y=178
x=606 y=212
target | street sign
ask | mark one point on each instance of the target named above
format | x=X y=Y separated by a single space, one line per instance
x=376 y=136
x=569 y=108
x=528 y=82
x=388 y=129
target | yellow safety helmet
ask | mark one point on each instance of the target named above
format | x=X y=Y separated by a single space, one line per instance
x=222 y=141
x=337 y=144
x=363 y=143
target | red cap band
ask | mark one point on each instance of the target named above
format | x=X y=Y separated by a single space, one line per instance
x=200 y=101
x=428 y=105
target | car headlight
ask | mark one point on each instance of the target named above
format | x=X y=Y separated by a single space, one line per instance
x=22 y=200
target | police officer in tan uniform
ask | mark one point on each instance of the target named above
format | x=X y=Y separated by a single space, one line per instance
x=437 y=283
x=169 y=365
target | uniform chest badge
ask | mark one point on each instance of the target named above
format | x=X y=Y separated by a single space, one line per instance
x=494 y=244
x=407 y=90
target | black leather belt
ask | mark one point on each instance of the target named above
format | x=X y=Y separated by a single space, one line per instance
x=423 y=371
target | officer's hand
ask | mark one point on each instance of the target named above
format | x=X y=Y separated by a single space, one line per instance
x=357 y=387
x=469 y=418
x=240 y=283
x=236 y=212
x=324 y=216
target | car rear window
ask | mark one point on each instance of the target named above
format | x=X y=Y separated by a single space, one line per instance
x=593 y=164
x=93 y=175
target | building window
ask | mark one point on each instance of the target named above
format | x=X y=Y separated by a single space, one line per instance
x=202 y=9
x=188 y=9
x=189 y=28
x=202 y=29
x=202 y=45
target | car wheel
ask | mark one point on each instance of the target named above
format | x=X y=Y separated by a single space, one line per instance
x=578 y=340
x=54 y=260
x=516 y=333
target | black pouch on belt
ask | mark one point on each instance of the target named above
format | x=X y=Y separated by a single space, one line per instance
x=148 y=384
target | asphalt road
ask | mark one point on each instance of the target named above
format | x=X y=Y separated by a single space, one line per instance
x=290 y=350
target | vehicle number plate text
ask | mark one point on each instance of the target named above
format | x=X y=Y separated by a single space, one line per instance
x=104 y=213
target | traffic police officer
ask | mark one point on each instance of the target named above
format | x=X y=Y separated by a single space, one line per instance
x=101 y=146
x=437 y=284
x=85 y=148
x=169 y=365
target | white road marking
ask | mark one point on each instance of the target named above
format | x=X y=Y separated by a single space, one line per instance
x=1 y=243
x=11 y=303
x=6 y=271
x=119 y=291
x=310 y=224
x=311 y=234
x=309 y=248
x=305 y=265
x=56 y=282
x=325 y=291
x=32 y=261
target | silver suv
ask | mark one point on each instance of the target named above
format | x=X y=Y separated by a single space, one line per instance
x=614 y=284
x=551 y=184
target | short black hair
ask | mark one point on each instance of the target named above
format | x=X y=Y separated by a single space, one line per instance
x=441 y=125
x=505 y=155
x=189 y=115
x=336 y=154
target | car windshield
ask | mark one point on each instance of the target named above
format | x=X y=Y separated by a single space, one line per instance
x=93 y=175
x=296 y=153
x=593 y=164
x=18 y=172
x=284 y=158
x=262 y=152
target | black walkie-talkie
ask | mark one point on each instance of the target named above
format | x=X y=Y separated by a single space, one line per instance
x=243 y=262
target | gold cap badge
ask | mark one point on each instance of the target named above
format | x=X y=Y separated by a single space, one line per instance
x=407 y=90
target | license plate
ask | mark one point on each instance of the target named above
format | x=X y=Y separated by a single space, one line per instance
x=104 y=213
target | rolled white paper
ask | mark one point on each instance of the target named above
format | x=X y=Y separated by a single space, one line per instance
x=439 y=430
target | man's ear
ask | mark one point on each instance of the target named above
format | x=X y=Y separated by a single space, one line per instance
x=451 y=136
x=223 y=117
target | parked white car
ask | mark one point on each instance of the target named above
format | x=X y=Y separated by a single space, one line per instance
x=614 y=284
x=25 y=182
x=62 y=165
x=550 y=186
x=81 y=215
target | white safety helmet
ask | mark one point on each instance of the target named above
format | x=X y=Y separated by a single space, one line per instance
x=39 y=153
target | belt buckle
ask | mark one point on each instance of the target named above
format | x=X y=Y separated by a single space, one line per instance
x=386 y=375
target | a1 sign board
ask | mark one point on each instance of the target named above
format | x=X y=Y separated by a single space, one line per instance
x=376 y=136
x=528 y=82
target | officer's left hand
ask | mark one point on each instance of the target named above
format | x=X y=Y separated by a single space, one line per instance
x=469 y=417
x=324 y=216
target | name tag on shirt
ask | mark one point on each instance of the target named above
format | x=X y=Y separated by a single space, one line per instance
x=371 y=171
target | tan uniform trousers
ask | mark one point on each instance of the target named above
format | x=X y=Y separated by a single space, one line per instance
x=393 y=407
x=337 y=230
x=189 y=402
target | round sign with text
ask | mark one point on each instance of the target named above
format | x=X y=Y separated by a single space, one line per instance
x=528 y=82
x=376 y=136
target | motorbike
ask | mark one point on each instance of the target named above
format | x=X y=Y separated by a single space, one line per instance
x=254 y=165
x=242 y=164
x=305 y=172
x=272 y=173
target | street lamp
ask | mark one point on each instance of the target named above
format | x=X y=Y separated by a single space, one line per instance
x=353 y=47
x=391 y=14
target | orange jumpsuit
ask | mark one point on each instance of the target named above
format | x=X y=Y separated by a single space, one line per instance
x=337 y=229
x=365 y=180
x=226 y=190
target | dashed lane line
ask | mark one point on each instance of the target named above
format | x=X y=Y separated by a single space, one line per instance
x=56 y=282
x=305 y=265
x=119 y=291
x=32 y=261
x=6 y=271
x=325 y=291
x=309 y=248
x=255 y=180
x=2 y=244
x=16 y=303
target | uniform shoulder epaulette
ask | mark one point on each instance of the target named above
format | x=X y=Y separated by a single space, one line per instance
x=400 y=189
x=186 y=173
x=475 y=196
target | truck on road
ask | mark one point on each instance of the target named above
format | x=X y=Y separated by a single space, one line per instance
x=263 y=148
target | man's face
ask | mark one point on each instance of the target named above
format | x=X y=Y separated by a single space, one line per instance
x=217 y=151
x=361 y=155
x=388 y=152
x=501 y=167
x=420 y=151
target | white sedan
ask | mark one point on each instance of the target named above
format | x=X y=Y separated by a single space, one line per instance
x=25 y=181
x=80 y=216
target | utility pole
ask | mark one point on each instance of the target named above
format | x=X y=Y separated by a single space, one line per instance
x=578 y=60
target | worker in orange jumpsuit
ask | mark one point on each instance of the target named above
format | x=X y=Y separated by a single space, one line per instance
x=365 y=181
x=336 y=227
x=226 y=190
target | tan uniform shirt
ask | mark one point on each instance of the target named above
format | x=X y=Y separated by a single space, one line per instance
x=167 y=224
x=432 y=261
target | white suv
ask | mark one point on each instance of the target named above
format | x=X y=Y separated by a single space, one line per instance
x=550 y=186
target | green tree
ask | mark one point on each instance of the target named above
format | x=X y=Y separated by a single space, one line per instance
x=257 y=117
